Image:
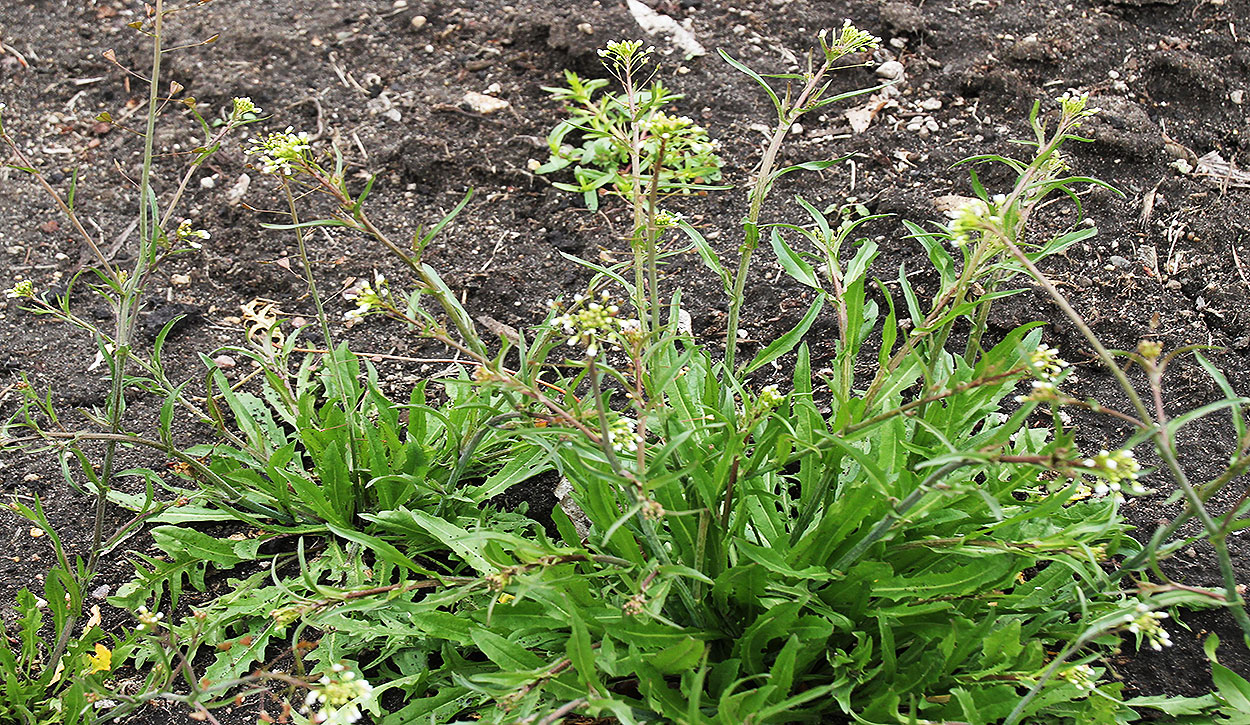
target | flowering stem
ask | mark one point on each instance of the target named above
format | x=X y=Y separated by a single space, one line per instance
x=1161 y=438
x=763 y=183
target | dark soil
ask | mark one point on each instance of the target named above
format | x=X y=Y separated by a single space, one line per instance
x=1170 y=76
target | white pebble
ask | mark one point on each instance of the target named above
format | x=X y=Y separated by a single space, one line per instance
x=891 y=70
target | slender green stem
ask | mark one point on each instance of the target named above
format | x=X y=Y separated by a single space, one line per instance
x=759 y=190
x=1162 y=441
x=127 y=314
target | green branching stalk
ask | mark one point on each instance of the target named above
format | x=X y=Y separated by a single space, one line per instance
x=1160 y=437
x=126 y=317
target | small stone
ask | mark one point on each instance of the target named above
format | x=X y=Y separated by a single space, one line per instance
x=797 y=129
x=393 y=115
x=36 y=532
x=1238 y=96
x=30 y=477
x=101 y=591
x=1120 y=262
x=931 y=104
x=586 y=28
x=739 y=29
x=224 y=362
x=898 y=42
x=891 y=70
x=236 y=192
x=208 y=182
x=484 y=104
x=399 y=4
x=180 y=279
x=418 y=22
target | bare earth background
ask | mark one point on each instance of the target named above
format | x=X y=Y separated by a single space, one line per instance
x=386 y=82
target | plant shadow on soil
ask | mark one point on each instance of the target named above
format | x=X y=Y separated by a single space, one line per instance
x=1167 y=262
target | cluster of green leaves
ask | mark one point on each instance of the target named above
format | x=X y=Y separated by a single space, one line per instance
x=605 y=124
x=901 y=549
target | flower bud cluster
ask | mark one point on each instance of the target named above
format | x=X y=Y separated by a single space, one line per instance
x=1117 y=469
x=652 y=510
x=594 y=323
x=1075 y=106
x=148 y=621
x=969 y=222
x=633 y=605
x=281 y=152
x=626 y=54
x=1148 y=624
x=848 y=39
x=286 y=615
x=666 y=126
x=339 y=695
x=368 y=296
x=623 y=435
x=187 y=235
x=23 y=288
x=1046 y=363
x=1082 y=676
x=242 y=109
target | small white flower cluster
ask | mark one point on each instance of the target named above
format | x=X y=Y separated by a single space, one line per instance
x=367 y=296
x=969 y=222
x=185 y=234
x=1046 y=363
x=770 y=397
x=666 y=126
x=1117 y=469
x=1075 y=105
x=595 y=323
x=1046 y=366
x=1082 y=676
x=281 y=152
x=243 y=109
x=23 y=288
x=849 y=39
x=626 y=52
x=666 y=219
x=623 y=435
x=1148 y=624
x=148 y=621
x=339 y=695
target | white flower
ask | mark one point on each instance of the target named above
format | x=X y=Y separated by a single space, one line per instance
x=623 y=435
x=596 y=323
x=339 y=695
x=148 y=621
x=185 y=234
x=1082 y=676
x=1148 y=624
x=1046 y=363
x=1117 y=469
x=281 y=152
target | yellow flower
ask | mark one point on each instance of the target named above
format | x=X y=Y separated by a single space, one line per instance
x=101 y=661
